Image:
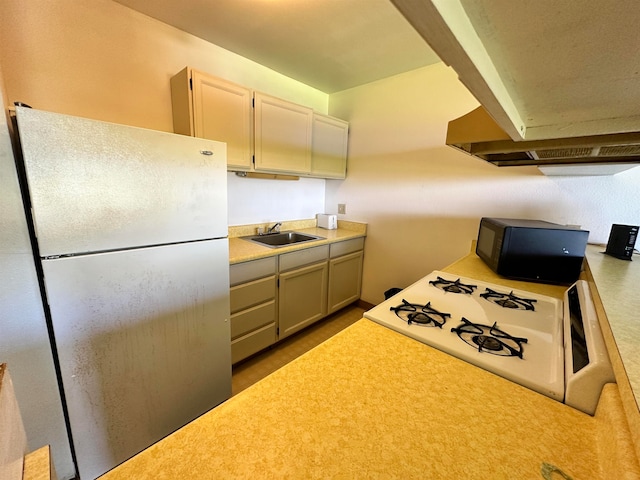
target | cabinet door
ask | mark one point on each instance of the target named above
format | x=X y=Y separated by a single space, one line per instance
x=282 y=135
x=222 y=111
x=329 y=151
x=302 y=298
x=345 y=280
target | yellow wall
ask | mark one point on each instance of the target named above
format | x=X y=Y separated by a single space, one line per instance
x=101 y=60
x=423 y=200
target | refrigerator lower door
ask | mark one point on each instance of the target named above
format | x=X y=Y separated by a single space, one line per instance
x=143 y=341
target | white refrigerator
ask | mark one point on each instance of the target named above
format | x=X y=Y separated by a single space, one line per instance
x=130 y=238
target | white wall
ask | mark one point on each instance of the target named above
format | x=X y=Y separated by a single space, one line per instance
x=101 y=60
x=423 y=200
x=254 y=200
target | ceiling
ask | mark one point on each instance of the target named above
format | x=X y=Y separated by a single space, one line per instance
x=542 y=68
x=331 y=45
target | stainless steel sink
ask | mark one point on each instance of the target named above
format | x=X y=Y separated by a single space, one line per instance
x=283 y=239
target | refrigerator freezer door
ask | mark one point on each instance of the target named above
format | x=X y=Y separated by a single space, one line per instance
x=144 y=344
x=97 y=186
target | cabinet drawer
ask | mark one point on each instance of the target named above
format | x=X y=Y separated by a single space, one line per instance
x=289 y=261
x=247 y=271
x=243 y=347
x=252 y=293
x=348 y=246
x=252 y=319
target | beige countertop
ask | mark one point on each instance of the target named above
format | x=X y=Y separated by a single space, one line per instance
x=38 y=465
x=371 y=403
x=241 y=250
x=614 y=285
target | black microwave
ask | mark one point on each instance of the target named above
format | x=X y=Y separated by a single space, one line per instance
x=532 y=250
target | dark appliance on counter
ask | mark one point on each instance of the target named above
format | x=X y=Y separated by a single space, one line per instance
x=622 y=240
x=532 y=250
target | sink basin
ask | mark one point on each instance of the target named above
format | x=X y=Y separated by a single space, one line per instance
x=274 y=240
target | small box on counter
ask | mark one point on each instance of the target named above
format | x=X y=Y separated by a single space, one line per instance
x=330 y=222
x=622 y=241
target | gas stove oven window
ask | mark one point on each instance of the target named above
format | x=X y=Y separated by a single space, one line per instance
x=515 y=334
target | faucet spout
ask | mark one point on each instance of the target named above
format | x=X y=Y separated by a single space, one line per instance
x=275 y=228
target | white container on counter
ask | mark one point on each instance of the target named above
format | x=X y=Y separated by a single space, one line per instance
x=330 y=222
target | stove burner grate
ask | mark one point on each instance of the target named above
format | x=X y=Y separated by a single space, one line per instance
x=453 y=286
x=508 y=300
x=490 y=339
x=424 y=315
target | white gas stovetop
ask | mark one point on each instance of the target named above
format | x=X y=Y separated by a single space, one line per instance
x=534 y=359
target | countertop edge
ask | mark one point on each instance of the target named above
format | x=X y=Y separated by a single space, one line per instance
x=629 y=402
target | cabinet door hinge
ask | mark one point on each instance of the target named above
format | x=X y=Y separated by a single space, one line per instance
x=277 y=281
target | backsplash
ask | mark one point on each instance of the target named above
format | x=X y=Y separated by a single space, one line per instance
x=261 y=201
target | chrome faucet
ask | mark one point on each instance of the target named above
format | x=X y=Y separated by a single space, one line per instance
x=274 y=229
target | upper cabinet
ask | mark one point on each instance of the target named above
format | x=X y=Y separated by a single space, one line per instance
x=283 y=135
x=263 y=133
x=329 y=150
x=210 y=107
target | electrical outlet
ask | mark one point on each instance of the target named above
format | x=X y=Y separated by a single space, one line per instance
x=342 y=208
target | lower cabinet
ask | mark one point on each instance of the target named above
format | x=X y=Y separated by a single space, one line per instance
x=275 y=297
x=345 y=281
x=302 y=298
x=253 y=307
x=345 y=273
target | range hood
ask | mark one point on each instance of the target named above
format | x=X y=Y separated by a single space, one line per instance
x=541 y=72
x=477 y=134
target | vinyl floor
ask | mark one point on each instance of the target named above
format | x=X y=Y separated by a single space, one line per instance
x=253 y=369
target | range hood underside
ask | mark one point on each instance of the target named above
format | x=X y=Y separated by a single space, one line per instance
x=514 y=154
x=477 y=134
